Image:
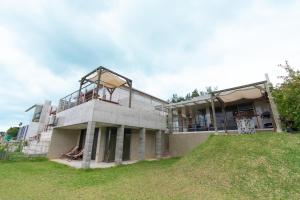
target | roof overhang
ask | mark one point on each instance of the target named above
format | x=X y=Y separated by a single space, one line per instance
x=249 y=92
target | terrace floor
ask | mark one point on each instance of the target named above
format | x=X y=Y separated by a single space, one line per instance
x=94 y=165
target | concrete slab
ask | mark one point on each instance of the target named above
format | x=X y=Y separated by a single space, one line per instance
x=77 y=163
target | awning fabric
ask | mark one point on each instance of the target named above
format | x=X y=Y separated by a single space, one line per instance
x=108 y=80
x=245 y=93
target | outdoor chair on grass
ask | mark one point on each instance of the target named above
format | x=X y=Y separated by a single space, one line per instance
x=76 y=156
x=72 y=152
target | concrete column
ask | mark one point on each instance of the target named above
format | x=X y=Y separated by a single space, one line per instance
x=119 y=145
x=158 y=144
x=87 y=153
x=142 y=143
x=98 y=151
x=273 y=106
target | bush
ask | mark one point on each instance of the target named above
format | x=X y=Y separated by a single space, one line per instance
x=287 y=97
x=12 y=131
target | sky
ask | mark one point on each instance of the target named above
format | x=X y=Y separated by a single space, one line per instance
x=165 y=47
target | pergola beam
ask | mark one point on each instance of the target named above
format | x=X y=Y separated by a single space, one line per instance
x=100 y=70
x=214 y=112
x=238 y=87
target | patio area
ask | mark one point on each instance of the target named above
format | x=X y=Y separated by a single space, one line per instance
x=94 y=165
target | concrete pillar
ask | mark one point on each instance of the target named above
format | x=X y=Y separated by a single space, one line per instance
x=273 y=106
x=119 y=145
x=87 y=153
x=158 y=144
x=98 y=150
x=142 y=143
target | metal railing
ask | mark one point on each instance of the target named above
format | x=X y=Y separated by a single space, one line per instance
x=72 y=100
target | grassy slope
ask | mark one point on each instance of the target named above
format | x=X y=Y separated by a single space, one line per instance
x=257 y=166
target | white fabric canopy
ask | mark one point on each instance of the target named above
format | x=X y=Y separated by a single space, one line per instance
x=235 y=95
x=107 y=79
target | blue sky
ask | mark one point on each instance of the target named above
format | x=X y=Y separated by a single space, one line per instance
x=166 y=47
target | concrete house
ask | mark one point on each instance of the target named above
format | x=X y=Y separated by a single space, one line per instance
x=111 y=121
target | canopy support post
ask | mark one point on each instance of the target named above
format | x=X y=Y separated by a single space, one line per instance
x=225 y=117
x=99 y=71
x=273 y=105
x=79 y=91
x=129 y=82
x=214 y=112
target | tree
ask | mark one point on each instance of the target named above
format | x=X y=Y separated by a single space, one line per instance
x=195 y=93
x=287 y=97
x=12 y=131
x=188 y=96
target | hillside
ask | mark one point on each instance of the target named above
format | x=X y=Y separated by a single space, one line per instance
x=260 y=166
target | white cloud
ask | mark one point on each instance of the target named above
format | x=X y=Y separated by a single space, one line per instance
x=166 y=47
x=238 y=52
x=25 y=82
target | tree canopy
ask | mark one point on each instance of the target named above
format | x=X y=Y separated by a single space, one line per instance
x=287 y=97
x=195 y=93
x=13 y=131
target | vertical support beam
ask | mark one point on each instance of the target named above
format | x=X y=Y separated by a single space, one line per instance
x=98 y=150
x=142 y=143
x=87 y=152
x=130 y=92
x=207 y=116
x=170 y=119
x=99 y=71
x=273 y=105
x=79 y=91
x=214 y=112
x=119 y=145
x=158 y=144
x=225 y=117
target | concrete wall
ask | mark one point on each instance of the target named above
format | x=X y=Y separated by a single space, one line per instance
x=150 y=145
x=102 y=144
x=32 y=130
x=181 y=144
x=109 y=113
x=82 y=113
x=62 y=141
x=134 y=146
x=115 y=114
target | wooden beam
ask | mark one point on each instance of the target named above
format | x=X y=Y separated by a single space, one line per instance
x=79 y=91
x=214 y=112
x=129 y=82
x=217 y=93
x=273 y=105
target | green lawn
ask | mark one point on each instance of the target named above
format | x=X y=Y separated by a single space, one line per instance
x=260 y=166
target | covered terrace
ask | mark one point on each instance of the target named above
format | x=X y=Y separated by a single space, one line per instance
x=100 y=84
x=218 y=110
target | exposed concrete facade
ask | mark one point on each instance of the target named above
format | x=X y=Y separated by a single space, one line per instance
x=181 y=144
x=119 y=145
x=158 y=144
x=87 y=153
x=150 y=145
x=142 y=138
x=62 y=141
x=108 y=113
